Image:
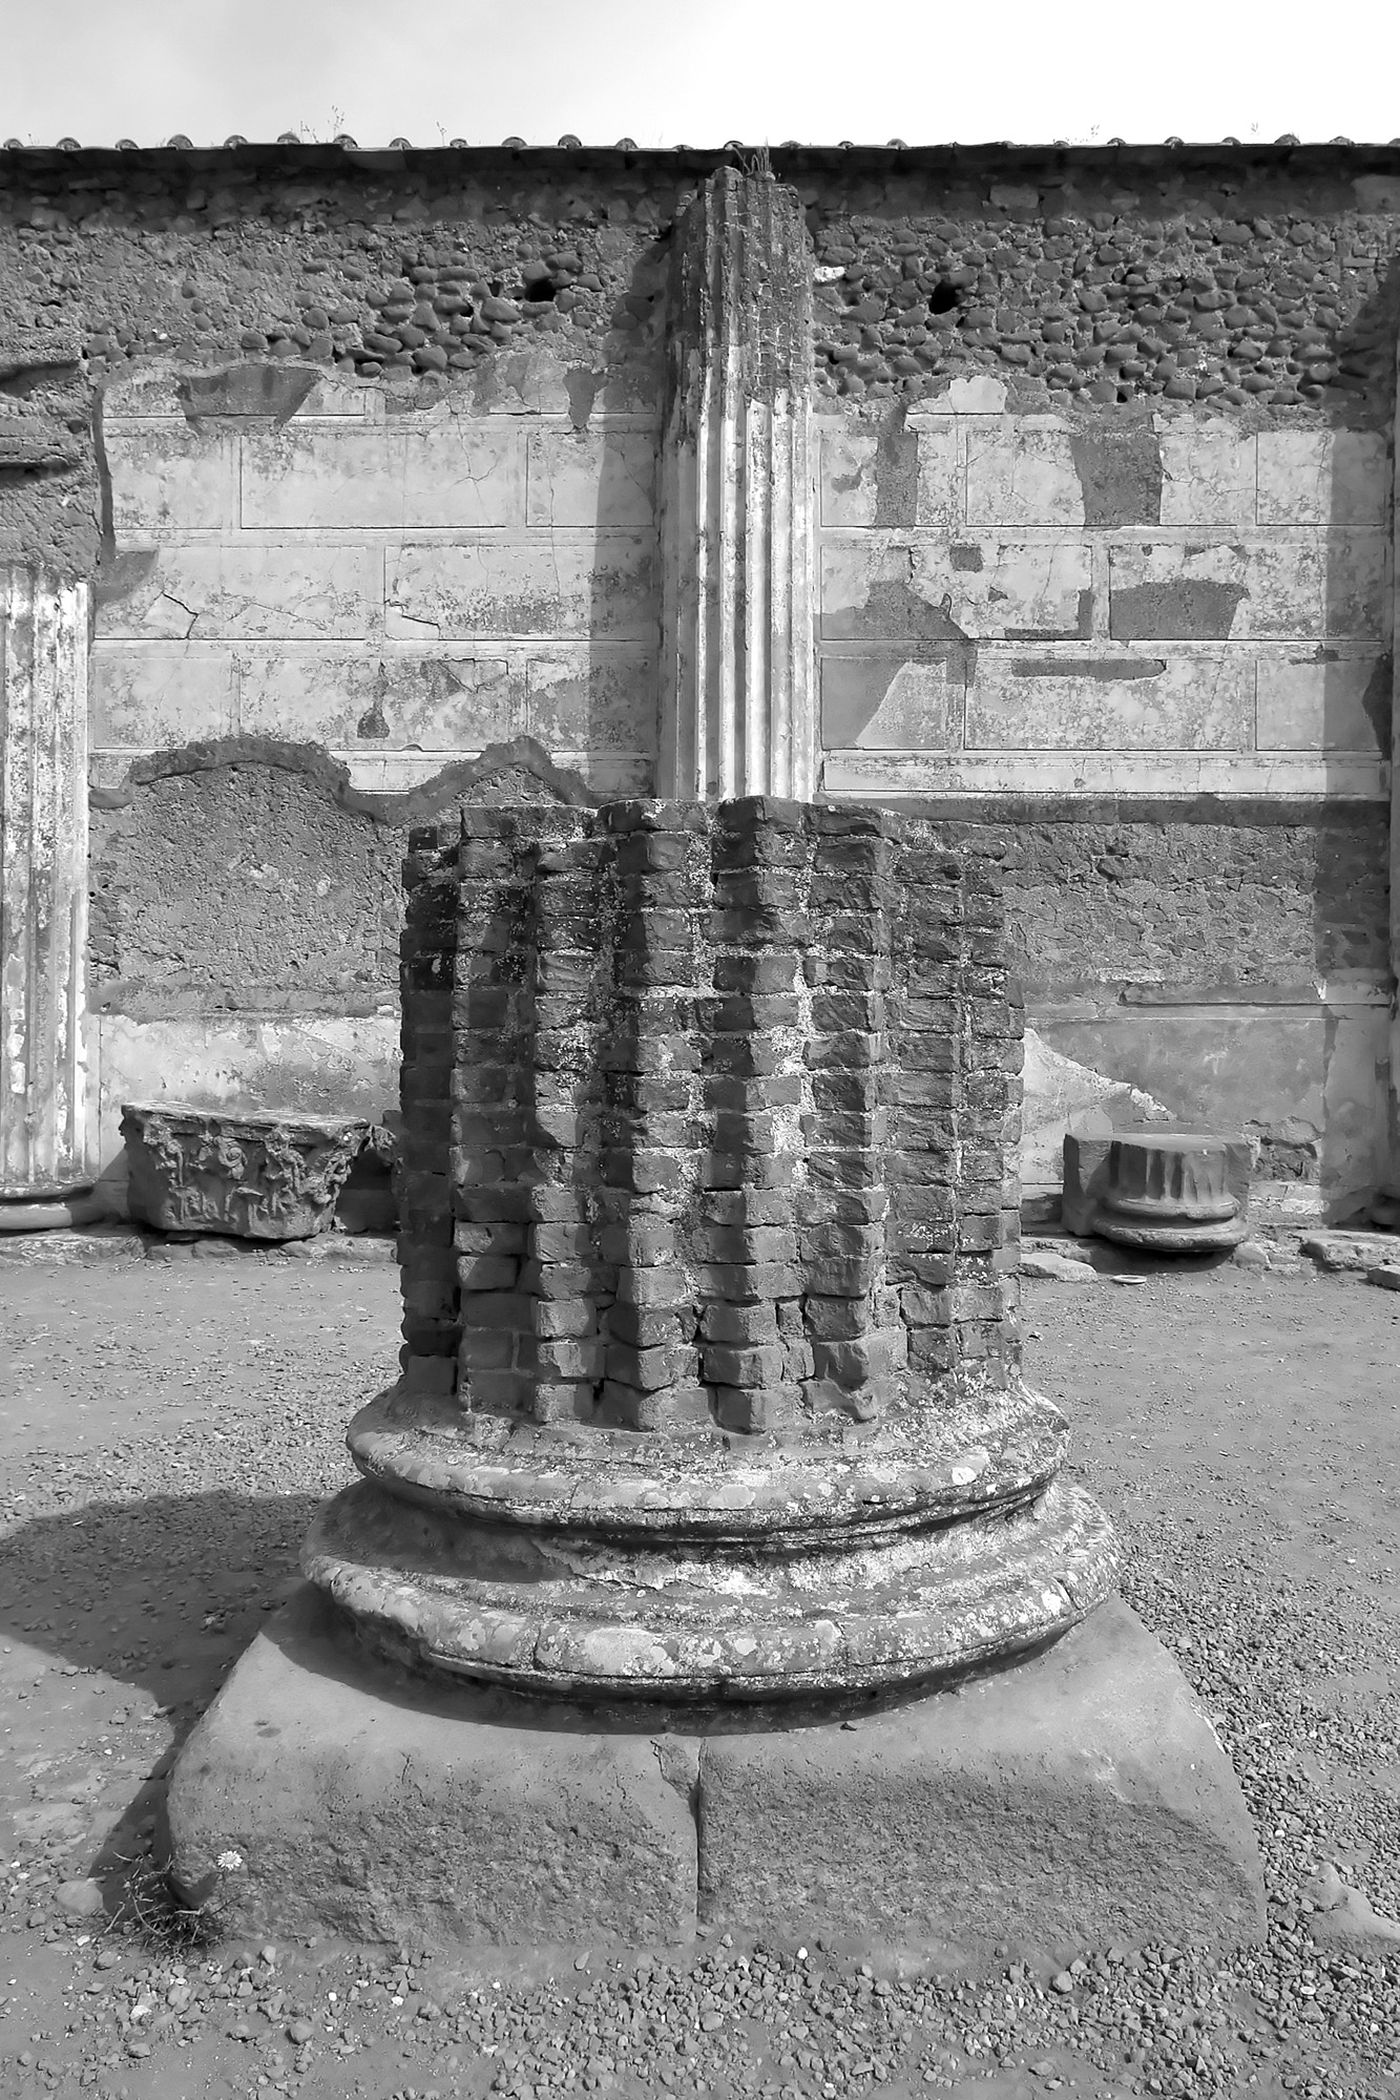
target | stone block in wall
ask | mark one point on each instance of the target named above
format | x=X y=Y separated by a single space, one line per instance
x=978 y=585
x=1320 y=586
x=592 y=699
x=1357 y=593
x=1323 y=477
x=1021 y=471
x=880 y=701
x=458 y=471
x=1266 y=587
x=1163 y=591
x=267 y=591
x=448 y=700
x=253 y=390
x=157 y=693
x=532 y=584
x=259 y=1177
x=908 y=473
x=167 y=477
x=1112 y=700
x=846 y=463
x=882 y=589
x=525 y=382
x=1323 y=702
x=601 y=477
x=1208 y=471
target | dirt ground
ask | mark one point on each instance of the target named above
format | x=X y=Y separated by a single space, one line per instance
x=168 y=1427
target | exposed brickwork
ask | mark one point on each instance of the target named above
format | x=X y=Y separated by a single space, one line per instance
x=718 y=1130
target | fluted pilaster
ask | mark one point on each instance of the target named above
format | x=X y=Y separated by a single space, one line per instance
x=737 y=691
x=43 y=884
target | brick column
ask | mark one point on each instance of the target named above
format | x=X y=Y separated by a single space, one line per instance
x=737 y=1407
x=736 y=613
x=44 y=1149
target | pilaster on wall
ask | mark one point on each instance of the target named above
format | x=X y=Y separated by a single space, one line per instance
x=1394 y=871
x=737 y=679
x=43 y=884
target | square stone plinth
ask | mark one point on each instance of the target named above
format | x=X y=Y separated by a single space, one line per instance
x=366 y=1803
x=1071 y=1800
x=1074 y=1799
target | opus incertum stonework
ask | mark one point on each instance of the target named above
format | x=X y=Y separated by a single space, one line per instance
x=712 y=1567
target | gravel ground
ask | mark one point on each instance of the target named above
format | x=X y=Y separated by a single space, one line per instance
x=169 y=1429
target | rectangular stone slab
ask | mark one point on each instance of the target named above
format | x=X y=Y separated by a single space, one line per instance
x=384 y=1809
x=1069 y=1801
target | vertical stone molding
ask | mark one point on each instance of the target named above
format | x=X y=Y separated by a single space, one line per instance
x=43 y=884
x=737 y=681
x=1394 y=1131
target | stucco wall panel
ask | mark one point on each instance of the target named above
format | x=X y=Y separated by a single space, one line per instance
x=280 y=590
x=160 y=693
x=1021 y=471
x=604 y=477
x=541 y=585
x=165 y=477
x=1152 y=573
x=1209 y=471
x=1118 y=700
x=1323 y=701
x=1323 y=477
x=453 y=472
x=592 y=699
x=439 y=700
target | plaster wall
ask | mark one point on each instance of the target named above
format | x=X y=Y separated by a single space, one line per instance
x=401 y=590
x=360 y=455
x=1170 y=612
x=1212 y=615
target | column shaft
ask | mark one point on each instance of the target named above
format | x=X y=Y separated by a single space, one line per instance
x=737 y=651
x=43 y=884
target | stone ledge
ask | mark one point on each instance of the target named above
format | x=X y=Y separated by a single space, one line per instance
x=1079 y=1798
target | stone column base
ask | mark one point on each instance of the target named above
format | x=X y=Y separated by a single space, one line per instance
x=1060 y=1804
x=52 y=1213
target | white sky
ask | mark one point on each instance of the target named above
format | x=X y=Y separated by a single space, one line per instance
x=695 y=71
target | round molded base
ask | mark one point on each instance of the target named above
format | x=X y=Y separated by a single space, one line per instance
x=51 y=1213
x=710 y=1566
x=570 y=1615
x=1185 y=1236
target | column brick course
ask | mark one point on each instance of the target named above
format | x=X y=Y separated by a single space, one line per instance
x=729 y=1092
